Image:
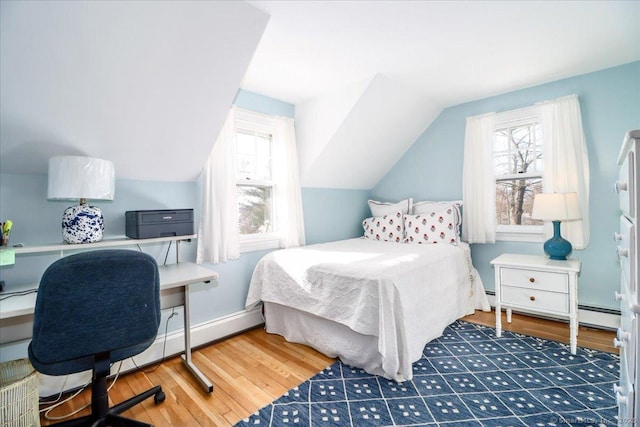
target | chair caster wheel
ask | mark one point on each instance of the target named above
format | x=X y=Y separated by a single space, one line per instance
x=159 y=397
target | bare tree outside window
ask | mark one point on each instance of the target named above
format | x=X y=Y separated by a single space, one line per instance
x=254 y=209
x=519 y=167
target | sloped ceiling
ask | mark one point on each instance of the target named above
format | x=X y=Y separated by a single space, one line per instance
x=359 y=146
x=146 y=84
x=322 y=56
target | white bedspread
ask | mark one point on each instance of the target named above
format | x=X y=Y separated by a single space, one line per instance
x=404 y=294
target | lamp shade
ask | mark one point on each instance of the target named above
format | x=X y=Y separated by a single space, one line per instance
x=77 y=177
x=556 y=207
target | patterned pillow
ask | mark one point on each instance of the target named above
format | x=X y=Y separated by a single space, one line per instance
x=388 y=227
x=438 y=226
x=385 y=208
x=427 y=207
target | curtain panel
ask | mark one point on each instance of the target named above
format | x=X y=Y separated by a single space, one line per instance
x=288 y=195
x=478 y=182
x=566 y=162
x=218 y=234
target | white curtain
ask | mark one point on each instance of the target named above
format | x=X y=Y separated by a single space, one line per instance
x=287 y=194
x=218 y=234
x=478 y=182
x=566 y=162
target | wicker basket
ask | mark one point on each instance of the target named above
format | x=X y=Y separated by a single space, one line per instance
x=18 y=394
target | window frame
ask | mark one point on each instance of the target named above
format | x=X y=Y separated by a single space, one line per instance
x=517 y=233
x=253 y=123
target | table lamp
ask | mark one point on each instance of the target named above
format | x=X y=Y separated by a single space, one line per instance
x=556 y=207
x=81 y=178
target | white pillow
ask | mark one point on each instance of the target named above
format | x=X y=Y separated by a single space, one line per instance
x=384 y=208
x=429 y=206
x=441 y=225
x=387 y=227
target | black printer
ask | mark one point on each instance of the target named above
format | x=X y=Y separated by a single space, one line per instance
x=158 y=223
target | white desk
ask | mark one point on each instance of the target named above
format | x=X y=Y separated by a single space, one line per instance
x=175 y=280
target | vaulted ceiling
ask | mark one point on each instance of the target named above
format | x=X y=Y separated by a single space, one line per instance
x=147 y=84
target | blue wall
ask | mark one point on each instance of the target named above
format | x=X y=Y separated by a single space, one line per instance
x=331 y=214
x=263 y=104
x=610 y=104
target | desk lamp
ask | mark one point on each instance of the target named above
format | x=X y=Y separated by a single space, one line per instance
x=76 y=177
x=556 y=207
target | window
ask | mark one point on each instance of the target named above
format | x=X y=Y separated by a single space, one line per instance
x=251 y=197
x=518 y=164
x=254 y=184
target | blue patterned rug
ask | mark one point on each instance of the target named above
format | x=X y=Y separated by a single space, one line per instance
x=467 y=377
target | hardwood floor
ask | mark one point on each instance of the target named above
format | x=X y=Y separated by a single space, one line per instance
x=542 y=328
x=254 y=368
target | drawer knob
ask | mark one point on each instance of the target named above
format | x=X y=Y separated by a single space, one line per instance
x=617 y=344
x=617 y=237
x=622 y=252
x=620 y=186
x=532 y=279
x=623 y=335
x=532 y=298
x=620 y=399
x=617 y=295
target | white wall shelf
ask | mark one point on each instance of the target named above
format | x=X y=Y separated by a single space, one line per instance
x=109 y=242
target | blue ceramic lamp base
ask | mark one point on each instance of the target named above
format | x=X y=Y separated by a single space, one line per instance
x=82 y=224
x=557 y=247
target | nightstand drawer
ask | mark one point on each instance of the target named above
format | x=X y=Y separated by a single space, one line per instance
x=531 y=279
x=534 y=299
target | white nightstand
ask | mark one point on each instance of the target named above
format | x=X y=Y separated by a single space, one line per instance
x=537 y=284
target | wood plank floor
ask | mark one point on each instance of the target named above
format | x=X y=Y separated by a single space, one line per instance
x=254 y=368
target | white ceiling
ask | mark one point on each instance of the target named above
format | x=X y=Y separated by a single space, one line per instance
x=415 y=59
x=450 y=51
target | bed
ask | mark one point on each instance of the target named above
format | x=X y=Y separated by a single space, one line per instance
x=374 y=304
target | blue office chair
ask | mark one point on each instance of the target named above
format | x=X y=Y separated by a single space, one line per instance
x=93 y=309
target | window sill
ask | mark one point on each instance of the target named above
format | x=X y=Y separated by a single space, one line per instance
x=529 y=236
x=252 y=244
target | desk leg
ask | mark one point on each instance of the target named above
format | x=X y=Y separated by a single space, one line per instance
x=186 y=357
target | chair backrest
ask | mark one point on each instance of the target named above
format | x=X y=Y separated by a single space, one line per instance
x=94 y=302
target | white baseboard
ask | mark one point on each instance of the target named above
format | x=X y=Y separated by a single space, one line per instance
x=201 y=334
x=585 y=317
